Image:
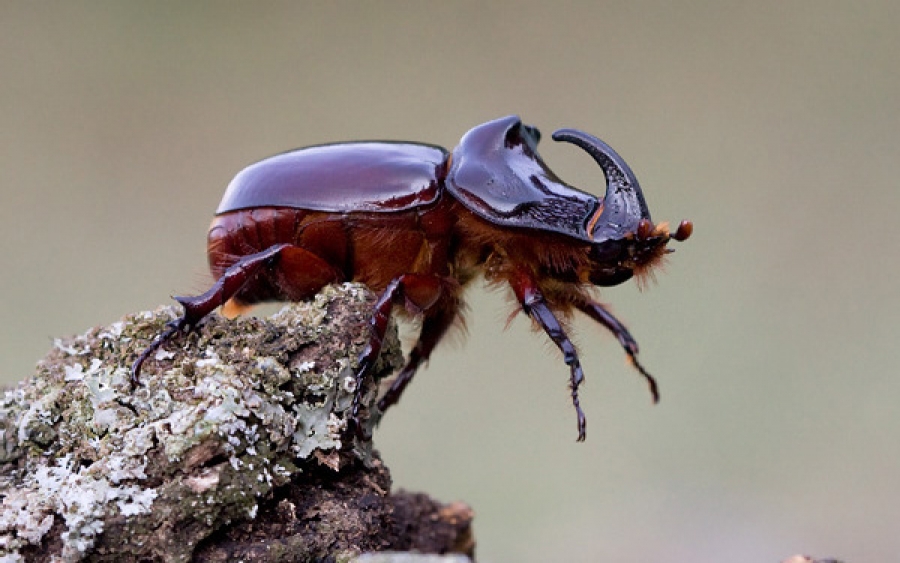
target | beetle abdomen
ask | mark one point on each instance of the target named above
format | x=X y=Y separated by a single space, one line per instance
x=321 y=255
x=371 y=248
x=346 y=177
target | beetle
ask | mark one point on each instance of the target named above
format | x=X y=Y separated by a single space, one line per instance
x=417 y=224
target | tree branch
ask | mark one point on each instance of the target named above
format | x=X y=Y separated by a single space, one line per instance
x=235 y=446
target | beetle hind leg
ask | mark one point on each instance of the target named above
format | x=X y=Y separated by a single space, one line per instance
x=197 y=307
x=284 y=266
x=172 y=328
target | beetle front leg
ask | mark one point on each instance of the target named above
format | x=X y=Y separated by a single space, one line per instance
x=533 y=303
x=600 y=314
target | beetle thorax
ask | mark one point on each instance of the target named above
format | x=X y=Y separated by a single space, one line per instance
x=500 y=252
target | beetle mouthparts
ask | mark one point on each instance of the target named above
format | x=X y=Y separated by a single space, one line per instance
x=624 y=205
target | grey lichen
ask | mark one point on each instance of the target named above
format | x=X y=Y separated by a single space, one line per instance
x=223 y=416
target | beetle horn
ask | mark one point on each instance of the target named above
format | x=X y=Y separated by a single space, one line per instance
x=624 y=204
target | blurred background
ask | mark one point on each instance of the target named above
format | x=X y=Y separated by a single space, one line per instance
x=774 y=126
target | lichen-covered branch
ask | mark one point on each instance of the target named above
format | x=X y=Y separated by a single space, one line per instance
x=235 y=446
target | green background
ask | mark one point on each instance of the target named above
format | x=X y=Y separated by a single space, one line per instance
x=774 y=126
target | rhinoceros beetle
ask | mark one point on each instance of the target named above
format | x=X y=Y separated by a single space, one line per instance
x=416 y=224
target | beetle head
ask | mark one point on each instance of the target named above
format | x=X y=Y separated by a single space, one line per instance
x=616 y=261
x=625 y=240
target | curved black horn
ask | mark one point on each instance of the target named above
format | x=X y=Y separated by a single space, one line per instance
x=624 y=204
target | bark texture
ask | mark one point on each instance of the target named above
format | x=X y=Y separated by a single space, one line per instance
x=235 y=447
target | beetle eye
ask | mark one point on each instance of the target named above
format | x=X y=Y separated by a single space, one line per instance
x=608 y=252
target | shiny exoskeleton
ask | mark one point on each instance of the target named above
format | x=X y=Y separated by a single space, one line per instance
x=416 y=224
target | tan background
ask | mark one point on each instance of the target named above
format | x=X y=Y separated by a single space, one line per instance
x=773 y=332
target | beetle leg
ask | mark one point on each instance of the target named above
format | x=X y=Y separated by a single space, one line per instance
x=229 y=284
x=195 y=308
x=171 y=328
x=600 y=314
x=533 y=303
x=423 y=292
x=434 y=327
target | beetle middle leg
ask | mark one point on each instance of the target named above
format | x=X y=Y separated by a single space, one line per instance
x=423 y=292
x=533 y=303
x=434 y=327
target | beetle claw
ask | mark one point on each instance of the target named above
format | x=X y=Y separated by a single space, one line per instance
x=172 y=328
x=582 y=426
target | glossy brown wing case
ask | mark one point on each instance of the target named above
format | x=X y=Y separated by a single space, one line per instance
x=342 y=178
